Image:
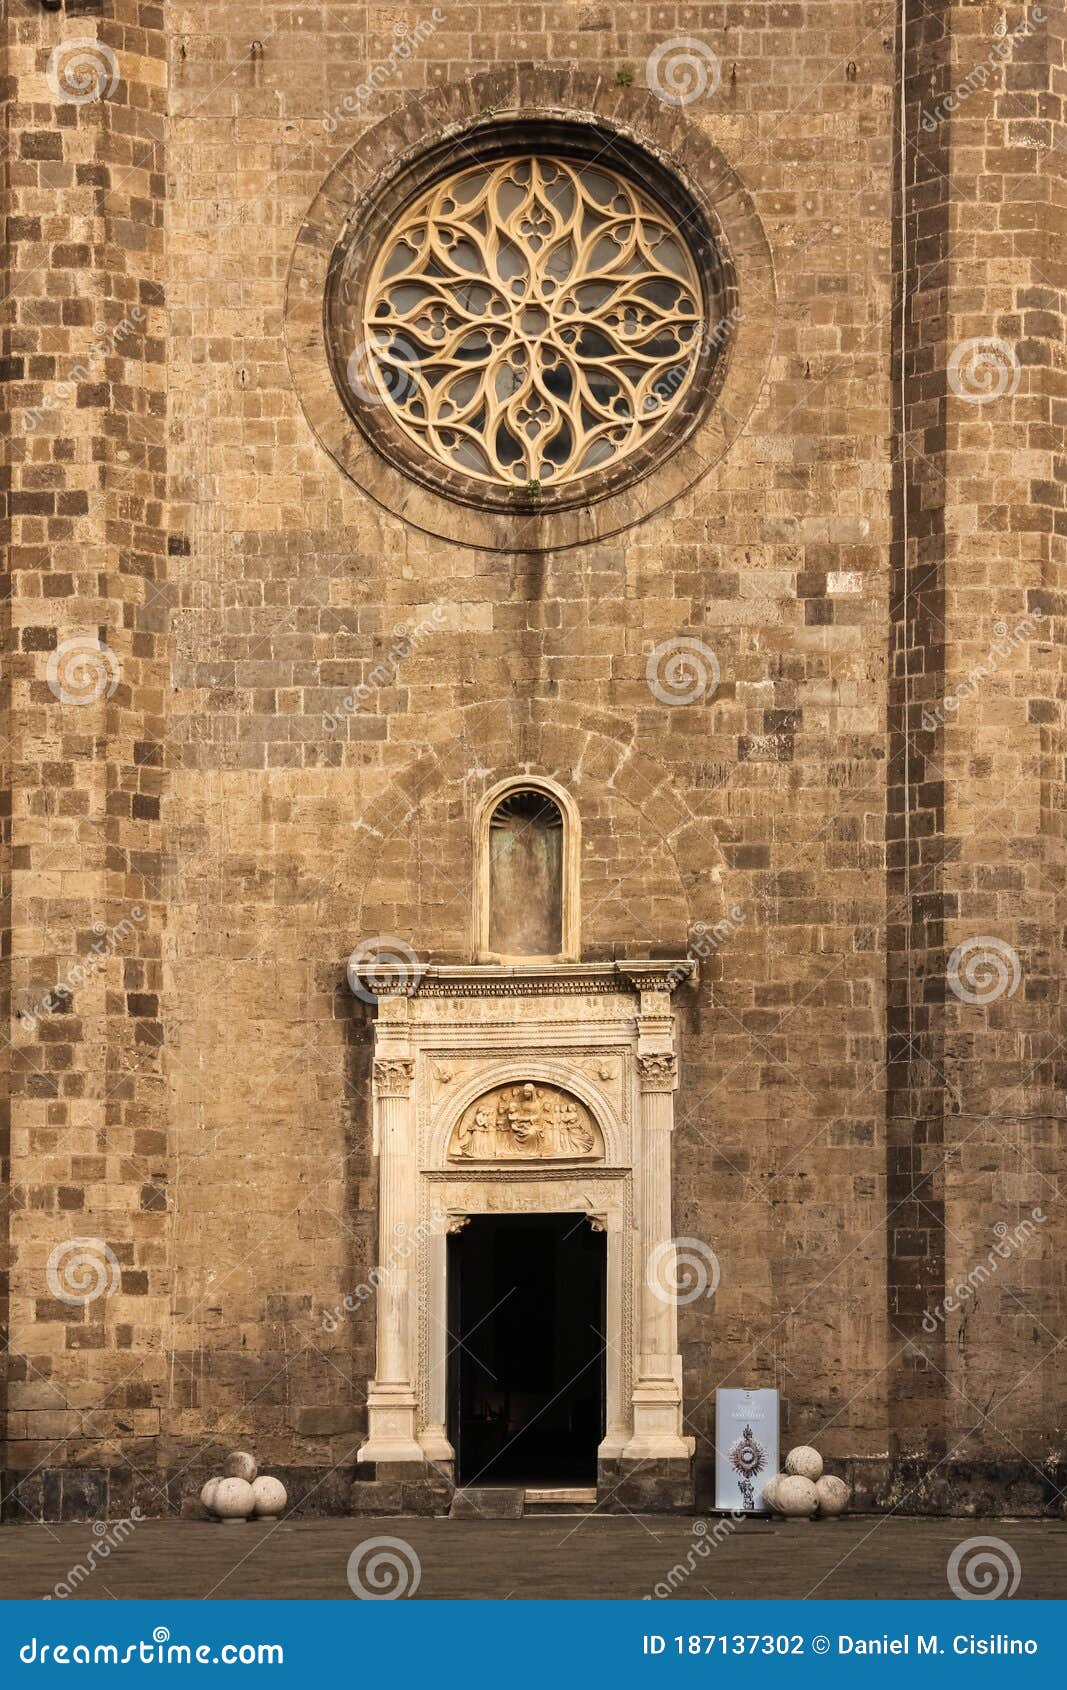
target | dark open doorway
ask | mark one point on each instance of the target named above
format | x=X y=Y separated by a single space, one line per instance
x=526 y=1364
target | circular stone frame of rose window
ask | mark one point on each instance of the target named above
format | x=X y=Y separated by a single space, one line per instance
x=502 y=112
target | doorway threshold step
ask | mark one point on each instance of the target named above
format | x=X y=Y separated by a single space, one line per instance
x=487 y=1502
x=561 y=1496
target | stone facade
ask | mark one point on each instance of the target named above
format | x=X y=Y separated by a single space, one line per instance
x=255 y=691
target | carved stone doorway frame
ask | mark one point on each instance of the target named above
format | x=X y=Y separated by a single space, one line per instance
x=602 y=1034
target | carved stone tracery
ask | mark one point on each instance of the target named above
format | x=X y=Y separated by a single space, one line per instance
x=533 y=320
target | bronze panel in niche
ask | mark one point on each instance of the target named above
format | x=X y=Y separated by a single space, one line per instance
x=526 y=877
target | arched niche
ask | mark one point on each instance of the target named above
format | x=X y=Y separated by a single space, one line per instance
x=527 y=855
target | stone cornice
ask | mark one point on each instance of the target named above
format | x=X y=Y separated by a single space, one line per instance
x=483 y=980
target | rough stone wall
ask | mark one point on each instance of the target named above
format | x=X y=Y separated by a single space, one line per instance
x=975 y=855
x=84 y=358
x=235 y=1184
x=289 y=587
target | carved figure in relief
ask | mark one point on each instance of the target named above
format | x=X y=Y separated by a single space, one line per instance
x=525 y=1121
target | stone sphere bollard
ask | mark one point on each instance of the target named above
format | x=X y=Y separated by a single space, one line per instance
x=233 y=1499
x=833 y=1495
x=804 y=1463
x=769 y=1494
x=795 y=1497
x=270 y=1497
x=207 y=1495
x=241 y=1465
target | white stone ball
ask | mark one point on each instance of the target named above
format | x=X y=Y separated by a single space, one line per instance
x=233 y=1499
x=241 y=1465
x=270 y=1496
x=795 y=1497
x=804 y=1462
x=207 y=1495
x=833 y=1495
x=770 y=1490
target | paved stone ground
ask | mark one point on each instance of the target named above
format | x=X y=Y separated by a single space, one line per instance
x=544 y=1556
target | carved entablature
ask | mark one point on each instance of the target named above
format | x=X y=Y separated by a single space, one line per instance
x=523 y=1123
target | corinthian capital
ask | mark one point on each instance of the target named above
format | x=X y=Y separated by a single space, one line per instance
x=393 y=1076
x=658 y=1071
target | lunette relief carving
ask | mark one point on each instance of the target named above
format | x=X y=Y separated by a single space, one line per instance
x=525 y=1122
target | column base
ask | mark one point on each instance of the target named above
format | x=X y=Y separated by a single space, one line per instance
x=433 y=1441
x=657 y=1404
x=391 y=1425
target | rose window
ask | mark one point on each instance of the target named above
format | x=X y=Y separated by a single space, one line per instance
x=529 y=322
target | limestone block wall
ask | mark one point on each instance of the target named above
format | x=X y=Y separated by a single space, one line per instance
x=850 y=1132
